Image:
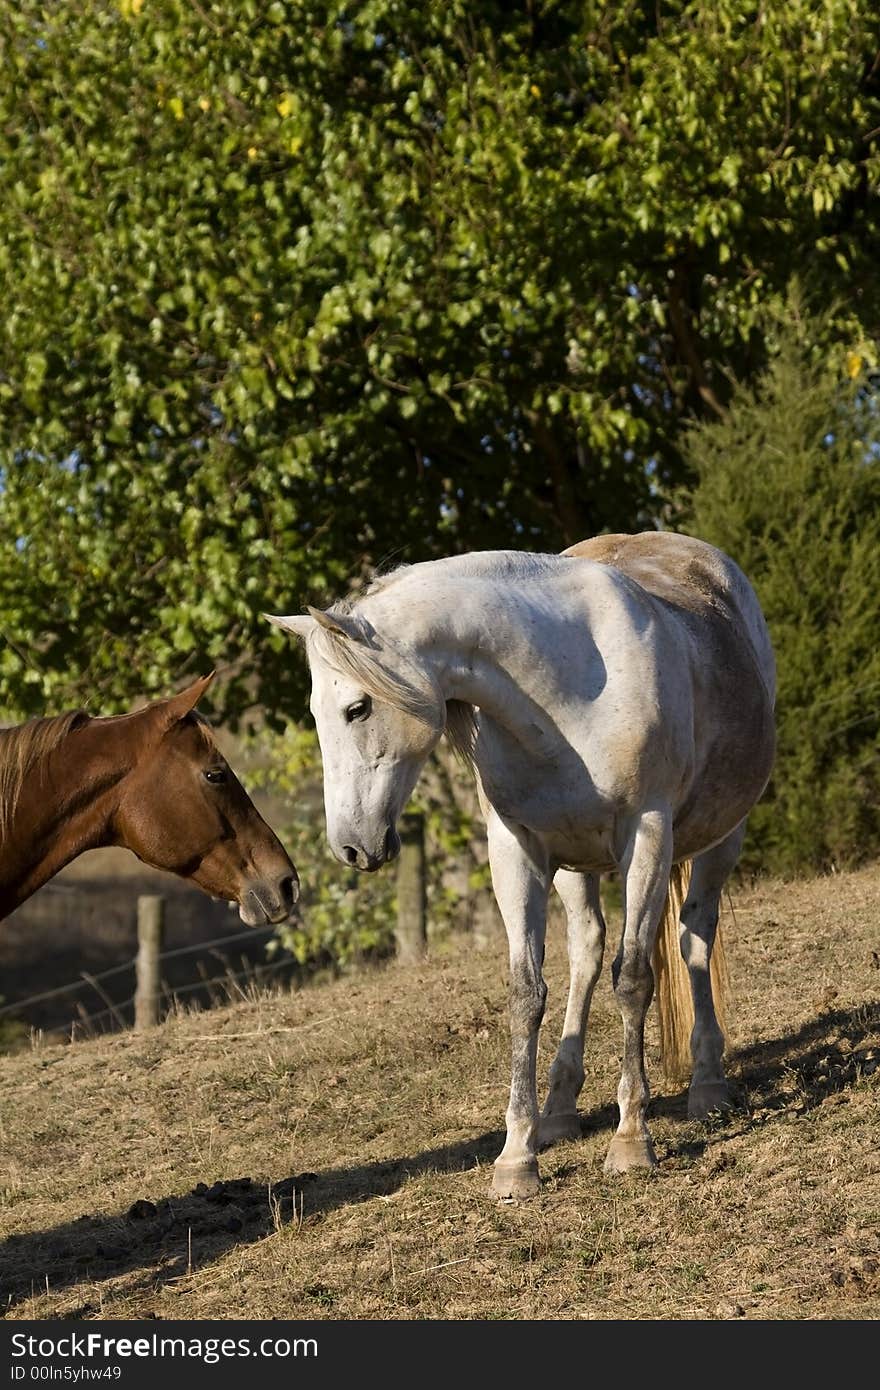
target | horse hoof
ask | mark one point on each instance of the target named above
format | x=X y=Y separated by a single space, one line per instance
x=553 y=1129
x=627 y=1154
x=516 y=1181
x=707 y=1096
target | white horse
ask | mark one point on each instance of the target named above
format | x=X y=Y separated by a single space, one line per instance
x=616 y=703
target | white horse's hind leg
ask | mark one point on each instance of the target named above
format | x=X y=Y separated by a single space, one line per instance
x=586 y=944
x=521 y=882
x=645 y=866
x=699 y=920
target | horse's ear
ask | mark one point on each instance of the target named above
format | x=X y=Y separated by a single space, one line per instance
x=185 y=700
x=300 y=624
x=337 y=624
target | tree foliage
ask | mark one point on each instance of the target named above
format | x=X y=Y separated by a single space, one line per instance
x=291 y=288
x=789 y=485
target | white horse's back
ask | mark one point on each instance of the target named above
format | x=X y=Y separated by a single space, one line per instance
x=692 y=576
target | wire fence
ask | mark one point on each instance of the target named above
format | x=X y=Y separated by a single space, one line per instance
x=86 y=981
x=254 y=971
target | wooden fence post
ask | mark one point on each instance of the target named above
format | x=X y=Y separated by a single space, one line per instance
x=412 y=932
x=150 y=926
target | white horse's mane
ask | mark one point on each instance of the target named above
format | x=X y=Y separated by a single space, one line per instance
x=476 y=564
x=367 y=664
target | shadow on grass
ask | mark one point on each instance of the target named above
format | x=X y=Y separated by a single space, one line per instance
x=793 y=1073
x=169 y=1238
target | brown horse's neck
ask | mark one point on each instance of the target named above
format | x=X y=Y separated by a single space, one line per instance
x=66 y=805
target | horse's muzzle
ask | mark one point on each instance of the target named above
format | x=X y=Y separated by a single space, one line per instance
x=265 y=902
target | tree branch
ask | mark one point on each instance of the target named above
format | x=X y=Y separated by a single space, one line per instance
x=687 y=340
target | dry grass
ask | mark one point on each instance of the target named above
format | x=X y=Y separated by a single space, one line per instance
x=362 y=1117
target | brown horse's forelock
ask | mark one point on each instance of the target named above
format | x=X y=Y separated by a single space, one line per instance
x=22 y=748
x=204 y=728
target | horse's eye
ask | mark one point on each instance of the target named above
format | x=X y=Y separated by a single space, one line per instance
x=215 y=775
x=359 y=710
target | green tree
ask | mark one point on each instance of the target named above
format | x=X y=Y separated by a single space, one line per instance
x=291 y=288
x=789 y=485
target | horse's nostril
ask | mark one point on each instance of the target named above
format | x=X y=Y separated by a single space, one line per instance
x=289 y=889
x=350 y=853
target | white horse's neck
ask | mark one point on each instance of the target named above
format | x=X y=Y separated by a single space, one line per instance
x=483 y=625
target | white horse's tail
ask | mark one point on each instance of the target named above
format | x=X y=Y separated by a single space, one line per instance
x=675 y=1008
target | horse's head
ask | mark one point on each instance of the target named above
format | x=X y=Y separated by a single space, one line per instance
x=183 y=809
x=378 y=719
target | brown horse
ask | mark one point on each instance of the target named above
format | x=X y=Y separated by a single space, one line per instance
x=153 y=781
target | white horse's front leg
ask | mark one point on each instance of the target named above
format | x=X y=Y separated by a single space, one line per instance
x=586 y=944
x=521 y=881
x=645 y=865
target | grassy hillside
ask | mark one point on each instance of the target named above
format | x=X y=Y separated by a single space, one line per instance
x=327 y=1153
